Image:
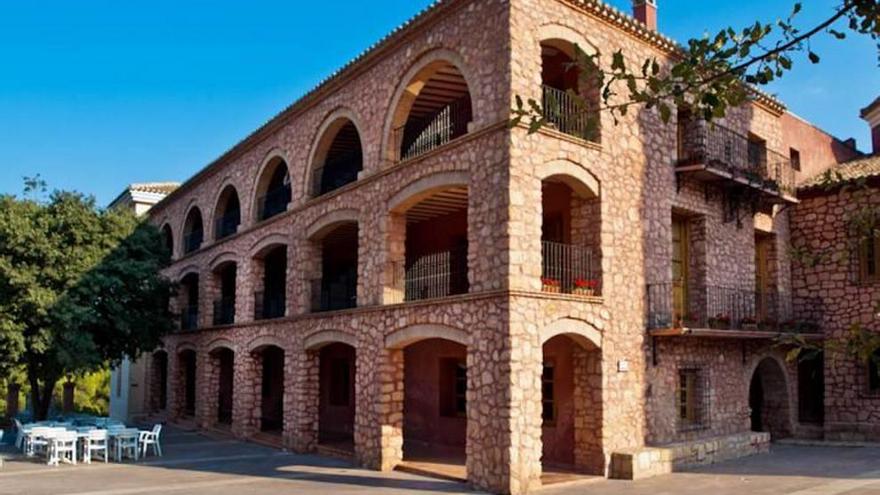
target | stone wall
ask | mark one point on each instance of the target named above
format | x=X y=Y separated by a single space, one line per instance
x=831 y=292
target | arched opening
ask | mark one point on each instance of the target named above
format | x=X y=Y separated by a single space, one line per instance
x=189 y=303
x=187 y=366
x=768 y=399
x=159 y=381
x=270 y=300
x=562 y=80
x=193 y=231
x=337 y=251
x=339 y=158
x=222 y=361
x=435 y=108
x=225 y=279
x=571 y=407
x=570 y=237
x=434 y=261
x=336 y=399
x=435 y=405
x=270 y=361
x=811 y=387
x=168 y=239
x=227 y=214
x=273 y=190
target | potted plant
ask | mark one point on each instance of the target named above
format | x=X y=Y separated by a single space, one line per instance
x=720 y=321
x=749 y=323
x=584 y=287
x=550 y=285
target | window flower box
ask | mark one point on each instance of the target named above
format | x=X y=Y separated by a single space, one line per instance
x=584 y=287
x=551 y=285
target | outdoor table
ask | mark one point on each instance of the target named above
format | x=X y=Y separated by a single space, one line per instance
x=117 y=435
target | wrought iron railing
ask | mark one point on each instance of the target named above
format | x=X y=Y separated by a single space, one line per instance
x=224 y=311
x=333 y=295
x=569 y=269
x=227 y=224
x=714 y=145
x=432 y=275
x=189 y=318
x=193 y=241
x=723 y=308
x=419 y=137
x=273 y=203
x=269 y=305
x=568 y=114
x=336 y=173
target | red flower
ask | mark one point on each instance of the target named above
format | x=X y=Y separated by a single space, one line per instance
x=552 y=282
x=583 y=283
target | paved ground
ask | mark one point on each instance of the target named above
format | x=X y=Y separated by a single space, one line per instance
x=195 y=464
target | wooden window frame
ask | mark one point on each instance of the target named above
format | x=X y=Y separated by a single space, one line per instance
x=869 y=252
x=692 y=399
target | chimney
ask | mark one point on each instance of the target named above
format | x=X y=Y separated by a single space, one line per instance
x=871 y=114
x=645 y=11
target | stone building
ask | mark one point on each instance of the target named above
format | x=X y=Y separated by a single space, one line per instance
x=388 y=271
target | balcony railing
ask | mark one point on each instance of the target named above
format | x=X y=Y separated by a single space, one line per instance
x=716 y=146
x=273 y=203
x=227 y=224
x=329 y=295
x=433 y=131
x=568 y=115
x=269 y=305
x=189 y=318
x=569 y=269
x=344 y=169
x=432 y=275
x=224 y=311
x=193 y=241
x=722 y=308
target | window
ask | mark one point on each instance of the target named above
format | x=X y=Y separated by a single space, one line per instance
x=869 y=258
x=340 y=383
x=548 y=393
x=757 y=152
x=453 y=388
x=692 y=399
x=795 y=157
x=874 y=373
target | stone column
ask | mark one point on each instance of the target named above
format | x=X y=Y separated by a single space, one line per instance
x=395 y=246
x=378 y=429
x=176 y=394
x=67 y=398
x=246 y=402
x=12 y=392
x=587 y=368
x=302 y=428
x=208 y=370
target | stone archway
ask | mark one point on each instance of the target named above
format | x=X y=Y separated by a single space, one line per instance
x=159 y=381
x=769 y=399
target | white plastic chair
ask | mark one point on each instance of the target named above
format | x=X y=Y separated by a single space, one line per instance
x=151 y=437
x=125 y=443
x=36 y=441
x=96 y=441
x=62 y=447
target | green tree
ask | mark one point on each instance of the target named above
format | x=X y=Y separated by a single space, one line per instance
x=79 y=287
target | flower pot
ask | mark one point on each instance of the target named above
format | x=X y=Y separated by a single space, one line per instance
x=554 y=289
x=583 y=291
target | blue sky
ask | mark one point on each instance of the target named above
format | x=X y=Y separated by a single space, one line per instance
x=98 y=94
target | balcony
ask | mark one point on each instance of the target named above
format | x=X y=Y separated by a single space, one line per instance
x=431 y=276
x=227 y=224
x=269 y=305
x=189 y=318
x=273 y=203
x=568 y=269
x=224 y=311
x=567 y=114
x=721 y=311
x=711 y=153
x=330 y=295
x=335 y=173
x=424 y=134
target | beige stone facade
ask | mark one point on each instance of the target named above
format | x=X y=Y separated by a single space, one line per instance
x=560 y=237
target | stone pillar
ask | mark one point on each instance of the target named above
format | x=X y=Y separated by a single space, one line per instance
x=504 y=408
x=12 y=392
x=247 y=401
x=395 y=245
x=587 y=368
x=176 y=394
x=378 y=430
x=67 y=398
x=308 y=269
x=303 y=369
x=207 y=400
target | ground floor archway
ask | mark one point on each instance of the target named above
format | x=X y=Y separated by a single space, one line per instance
x=159 y=381
x=223 y=361
x=187 y=360
x=271 y=366
x=768 y=399
x=336 y=396
x=811 y=388
x=571 y=406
